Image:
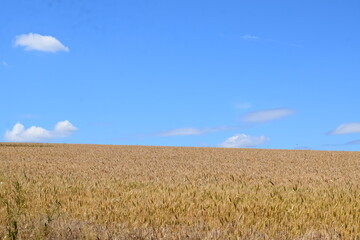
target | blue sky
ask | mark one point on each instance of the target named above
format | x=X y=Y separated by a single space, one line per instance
x=266 y=74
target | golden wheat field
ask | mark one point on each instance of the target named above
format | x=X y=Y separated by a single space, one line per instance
x=64 y=191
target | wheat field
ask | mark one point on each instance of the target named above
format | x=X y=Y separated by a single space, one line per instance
x=65 y=191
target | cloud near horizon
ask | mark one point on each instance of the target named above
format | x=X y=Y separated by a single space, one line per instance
x=355 y=142
x=191 y=131
x=267 y=115
x=38 y=134
x=243 y=141
x=346 y=128
x=34 y=41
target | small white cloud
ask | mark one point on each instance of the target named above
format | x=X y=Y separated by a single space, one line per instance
x=347 y=128
x=183 y=132
x=32 y=134
x=267 y=115
x=34 y=41
x=38 y=134
x=192 y=131
x=5 y=64
x=249 y=37
x=243 y=141
x=64 y=129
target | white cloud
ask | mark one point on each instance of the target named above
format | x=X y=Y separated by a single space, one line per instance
x=192 y=131
x=243 y=141
x=267 y=115
x=183 y=132
x=5 y=64
x=249 y=37
x=347 y=128
x=38 y=134
x=64 y=129
x=34 y=41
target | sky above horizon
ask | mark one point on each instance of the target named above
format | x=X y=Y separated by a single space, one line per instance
x=265 y=74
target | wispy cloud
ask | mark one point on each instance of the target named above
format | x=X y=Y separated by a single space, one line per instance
x=5 y=64
x=192 y=131
x=346 y=128
x=267 y=115
x=34 y=41
x=38 y=134
x=250 y=37
x=355 y=142
x=28 y=116
x=243 y=141
x=243 y=106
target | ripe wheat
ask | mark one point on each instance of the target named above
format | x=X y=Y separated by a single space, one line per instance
x=58 y=191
